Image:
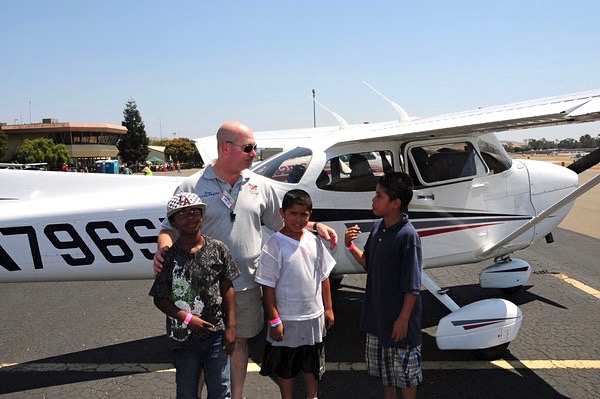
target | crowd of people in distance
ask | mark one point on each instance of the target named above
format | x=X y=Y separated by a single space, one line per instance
x=147 y=169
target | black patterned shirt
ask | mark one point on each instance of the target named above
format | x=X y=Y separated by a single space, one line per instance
x=191 y=281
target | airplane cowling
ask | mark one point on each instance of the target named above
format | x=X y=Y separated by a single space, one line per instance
x=479 y=325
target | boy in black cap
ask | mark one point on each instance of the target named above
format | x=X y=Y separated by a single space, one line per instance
x=194 y=290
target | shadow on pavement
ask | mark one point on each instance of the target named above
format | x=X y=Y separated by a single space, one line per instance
x=345 y=344
x=55 y=370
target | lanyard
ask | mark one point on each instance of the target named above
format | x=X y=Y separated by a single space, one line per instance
x=229 y=200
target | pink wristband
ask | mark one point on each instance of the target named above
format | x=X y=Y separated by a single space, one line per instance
x=274 y=321
x=351 y=246
x=187 y=319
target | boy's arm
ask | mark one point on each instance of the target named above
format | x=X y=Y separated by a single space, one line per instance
x=270 y=303
x=400 y=327
x=228 y=295
x=327 y=303
x=195 y=324
x=349 y=237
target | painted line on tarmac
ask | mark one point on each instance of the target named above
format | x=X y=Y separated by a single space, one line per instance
x=578 y=284
x=135 y=368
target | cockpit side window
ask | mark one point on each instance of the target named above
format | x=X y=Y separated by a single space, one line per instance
x=287 y=167
x=355 y=172
x=442 y=162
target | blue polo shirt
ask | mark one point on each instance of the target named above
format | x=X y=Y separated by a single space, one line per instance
x=394 y=263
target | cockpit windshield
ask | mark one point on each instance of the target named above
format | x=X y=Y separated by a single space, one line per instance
x=287 y=167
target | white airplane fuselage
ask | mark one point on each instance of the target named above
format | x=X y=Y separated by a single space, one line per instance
x=75 y=226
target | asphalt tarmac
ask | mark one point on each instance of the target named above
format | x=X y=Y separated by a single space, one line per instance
x=106 y=339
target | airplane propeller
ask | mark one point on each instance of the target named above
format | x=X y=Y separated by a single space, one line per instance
x=586 y=162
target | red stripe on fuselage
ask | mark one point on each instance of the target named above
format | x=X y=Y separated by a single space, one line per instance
x=472 y=326
x=425 y=233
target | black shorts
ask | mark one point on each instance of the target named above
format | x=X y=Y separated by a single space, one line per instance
x=286 y=362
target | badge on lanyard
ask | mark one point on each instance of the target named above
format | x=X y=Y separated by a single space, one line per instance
x=229 y=203
x=227 y=200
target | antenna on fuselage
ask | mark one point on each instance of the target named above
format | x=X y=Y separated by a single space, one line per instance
x=343 y=124
x=401 y=113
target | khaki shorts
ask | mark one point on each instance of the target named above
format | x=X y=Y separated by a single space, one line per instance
x=248 y=313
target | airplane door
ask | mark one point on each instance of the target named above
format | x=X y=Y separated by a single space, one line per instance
x=459 y=204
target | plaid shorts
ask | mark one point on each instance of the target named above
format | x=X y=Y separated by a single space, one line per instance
x=397 y=367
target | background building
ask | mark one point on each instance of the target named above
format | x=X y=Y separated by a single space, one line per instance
x=85 y=142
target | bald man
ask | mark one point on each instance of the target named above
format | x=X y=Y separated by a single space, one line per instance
x=237 y=202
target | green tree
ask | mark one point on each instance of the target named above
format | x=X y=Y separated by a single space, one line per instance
x=3 y=143
x=159 y=142
x=542 y=144
x=183 y=150
x=568 y=143
x=42 y=150
x=133 y=146
x=586 y=141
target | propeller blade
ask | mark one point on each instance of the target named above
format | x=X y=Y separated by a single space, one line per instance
x=586 y=162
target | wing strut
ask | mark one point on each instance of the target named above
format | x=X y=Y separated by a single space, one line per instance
x=487 y=252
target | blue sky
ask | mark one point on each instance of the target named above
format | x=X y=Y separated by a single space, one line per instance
x=191 y=65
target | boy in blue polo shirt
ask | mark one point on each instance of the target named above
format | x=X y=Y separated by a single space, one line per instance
x=392 y=309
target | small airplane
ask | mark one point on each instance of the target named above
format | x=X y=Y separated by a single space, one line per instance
x=24 y=166
x=472 y=202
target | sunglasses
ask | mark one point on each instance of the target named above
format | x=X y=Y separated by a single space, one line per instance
x=182 y=215
x=247 y=148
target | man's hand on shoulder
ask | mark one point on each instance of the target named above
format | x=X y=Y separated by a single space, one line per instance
x=328 y=234
x=159 y=258
x=165 y=239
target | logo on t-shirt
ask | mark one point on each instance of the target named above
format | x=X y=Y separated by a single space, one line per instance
x=253 y=189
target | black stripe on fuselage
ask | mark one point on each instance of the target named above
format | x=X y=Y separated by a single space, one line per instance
x=421 y=220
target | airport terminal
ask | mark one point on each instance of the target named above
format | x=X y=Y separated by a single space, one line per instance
x=85 y=142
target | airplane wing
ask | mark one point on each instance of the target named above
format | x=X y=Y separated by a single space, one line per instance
x=580 y=107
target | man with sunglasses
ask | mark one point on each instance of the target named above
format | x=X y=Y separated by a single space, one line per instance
x=238 y=202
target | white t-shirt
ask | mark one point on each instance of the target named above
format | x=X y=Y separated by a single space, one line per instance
x=295 y=269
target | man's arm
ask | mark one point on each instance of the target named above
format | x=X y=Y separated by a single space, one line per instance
x=165 y=240
x=325 y=232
